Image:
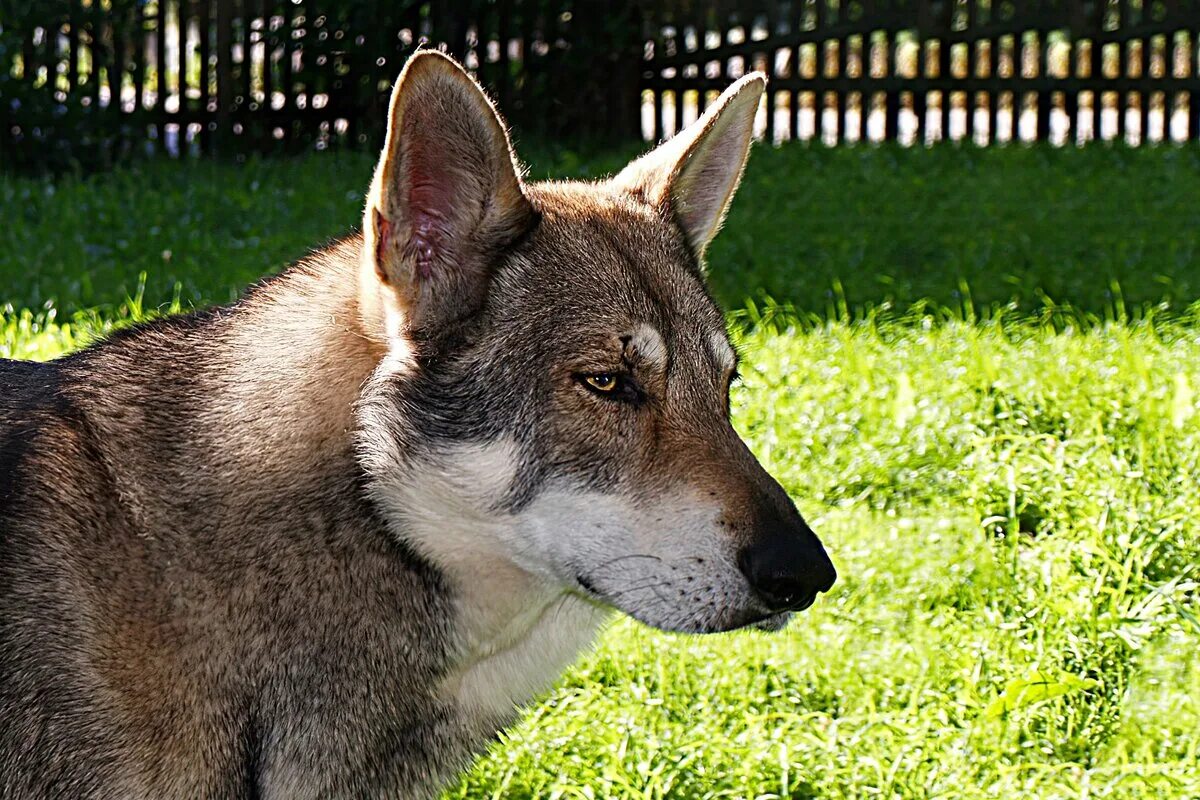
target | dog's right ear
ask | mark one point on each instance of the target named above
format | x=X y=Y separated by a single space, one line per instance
x=445 y=199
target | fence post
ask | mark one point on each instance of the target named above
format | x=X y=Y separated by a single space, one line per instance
x=1122 y=69
x=944 y=78
x=891 y=119
x=769 y=53
x=223 y=134
x=139 y=63
x=204 y=55
x=1096 y=74
x=606 y=39
x=1044 y=95
x=1193 y=68
x=969 y=96
x=183 y=10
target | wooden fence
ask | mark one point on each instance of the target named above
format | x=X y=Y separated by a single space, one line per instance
x=94 y=80
x=198 y=76
x=921 y=70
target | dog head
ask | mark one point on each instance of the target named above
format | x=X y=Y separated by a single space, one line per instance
x=557 y=391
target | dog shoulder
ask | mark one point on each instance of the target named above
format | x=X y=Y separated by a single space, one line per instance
x=30 y=402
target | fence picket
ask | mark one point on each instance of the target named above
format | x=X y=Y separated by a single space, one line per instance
x=138 y=62
x=969 y=96
x=204 y=52
x=243 y=71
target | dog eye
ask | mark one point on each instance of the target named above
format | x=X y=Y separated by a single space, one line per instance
x=612 y=386
x=603 y=383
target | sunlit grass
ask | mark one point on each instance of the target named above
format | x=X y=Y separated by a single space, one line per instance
x=1008 y=487
x=1004 y=505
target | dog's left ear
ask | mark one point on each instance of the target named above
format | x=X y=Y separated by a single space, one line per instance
x=446 y=198
x=695 y=174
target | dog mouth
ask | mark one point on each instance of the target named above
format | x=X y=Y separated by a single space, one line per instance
x=769 y=620
x=777 y=619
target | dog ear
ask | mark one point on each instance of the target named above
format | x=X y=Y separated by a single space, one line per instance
x=446 y=197
x=694 y=174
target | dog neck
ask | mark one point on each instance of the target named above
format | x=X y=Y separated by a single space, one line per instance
x=299 y=360
x=517 y=627
x=515 y=630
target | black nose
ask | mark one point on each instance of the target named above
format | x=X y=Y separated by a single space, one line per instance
x=787 y=566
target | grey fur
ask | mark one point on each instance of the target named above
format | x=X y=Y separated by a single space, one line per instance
x=205 y=589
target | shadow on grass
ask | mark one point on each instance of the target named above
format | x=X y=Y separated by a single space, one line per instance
x=835 y=232
x=828 y=232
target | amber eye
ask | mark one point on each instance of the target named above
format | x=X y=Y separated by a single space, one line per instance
x=612 y=386
x=601 y=383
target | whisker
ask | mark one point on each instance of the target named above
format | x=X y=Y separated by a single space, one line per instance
x=613 y=561
x=638 y=588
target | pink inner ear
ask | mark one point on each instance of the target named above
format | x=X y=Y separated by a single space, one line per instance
x=382 y=242
x=428 y=229
x=431 y=197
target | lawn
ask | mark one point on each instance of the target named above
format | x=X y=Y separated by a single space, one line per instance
x=1008 y=487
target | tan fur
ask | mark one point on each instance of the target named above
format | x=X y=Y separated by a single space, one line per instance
x=325 y=542
x=438 y=117
x=695 y=174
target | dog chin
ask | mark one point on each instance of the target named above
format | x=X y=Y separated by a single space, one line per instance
x=740 y=622
x=773 y=623
x=743 y=619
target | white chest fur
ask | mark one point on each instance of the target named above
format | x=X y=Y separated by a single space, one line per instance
x=508 y=658
x=516 y=627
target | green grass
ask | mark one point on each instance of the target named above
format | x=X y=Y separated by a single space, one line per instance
x=1009 y=495
x=1002 y=505
x=813 y=228
x=1026 y=227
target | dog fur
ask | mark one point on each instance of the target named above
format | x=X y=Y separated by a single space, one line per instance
x=326 y=541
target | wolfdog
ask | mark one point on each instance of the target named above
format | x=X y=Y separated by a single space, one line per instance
x=326 y=541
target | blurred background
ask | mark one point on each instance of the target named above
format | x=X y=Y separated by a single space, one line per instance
x=95 y=80
x=963 y=269
x=936 y=86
